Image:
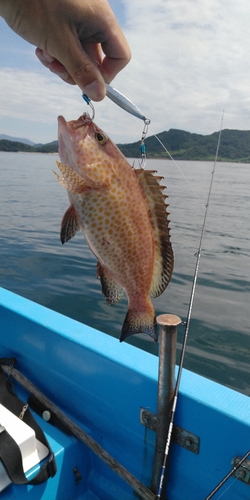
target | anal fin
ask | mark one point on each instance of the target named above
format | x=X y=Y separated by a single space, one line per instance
x=69 y=225
x=111 y=290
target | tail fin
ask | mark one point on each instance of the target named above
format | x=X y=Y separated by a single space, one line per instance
x=139 y=322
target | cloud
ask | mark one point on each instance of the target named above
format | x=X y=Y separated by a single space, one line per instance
x=34 y=97
x=190 y=61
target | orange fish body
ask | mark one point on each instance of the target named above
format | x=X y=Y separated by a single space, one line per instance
x=122 y=214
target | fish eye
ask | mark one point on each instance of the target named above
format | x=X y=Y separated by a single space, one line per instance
x=101 y=138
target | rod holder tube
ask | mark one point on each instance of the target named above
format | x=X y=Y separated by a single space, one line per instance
x=167 y=324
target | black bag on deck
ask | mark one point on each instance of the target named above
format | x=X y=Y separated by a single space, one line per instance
x=10 y=454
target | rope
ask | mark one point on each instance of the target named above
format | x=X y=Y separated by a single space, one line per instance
x=139 y=487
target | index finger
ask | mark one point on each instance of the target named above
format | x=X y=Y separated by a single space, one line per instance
x=117 y=55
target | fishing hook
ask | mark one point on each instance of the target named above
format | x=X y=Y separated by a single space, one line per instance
x=142 y=163
x=125 y=103
x=122 y=101
x=89 y=102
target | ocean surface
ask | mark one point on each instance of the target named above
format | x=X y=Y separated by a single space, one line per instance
x=35 y=265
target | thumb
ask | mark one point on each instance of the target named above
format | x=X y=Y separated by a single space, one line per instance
x=82 y=69
x=94 y=89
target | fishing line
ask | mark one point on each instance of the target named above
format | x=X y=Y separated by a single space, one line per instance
x=184 y=345
x=176 y=164
x=224 y=492
x=183 y=175
x=232 y=471
x=126 y=104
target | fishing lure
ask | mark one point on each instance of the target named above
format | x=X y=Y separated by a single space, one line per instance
x=125 y=103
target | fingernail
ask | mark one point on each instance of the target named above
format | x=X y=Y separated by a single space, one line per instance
x=95 y=90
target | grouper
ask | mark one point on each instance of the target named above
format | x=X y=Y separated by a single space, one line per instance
x=122 y=212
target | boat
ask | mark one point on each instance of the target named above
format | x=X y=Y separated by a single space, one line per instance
x=103 y=396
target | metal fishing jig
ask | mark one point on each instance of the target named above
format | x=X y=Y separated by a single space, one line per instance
x=125 y=103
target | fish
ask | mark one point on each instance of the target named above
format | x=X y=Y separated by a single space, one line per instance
x=122 y=213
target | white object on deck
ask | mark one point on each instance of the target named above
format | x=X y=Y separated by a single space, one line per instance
x=32 y=450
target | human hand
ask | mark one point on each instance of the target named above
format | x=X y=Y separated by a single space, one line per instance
x=79 y=40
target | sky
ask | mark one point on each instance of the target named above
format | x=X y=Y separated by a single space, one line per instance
x=190 y=61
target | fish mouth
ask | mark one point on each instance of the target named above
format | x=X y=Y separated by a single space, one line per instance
x=69 y=134
x=82 y=121
x=72 y=125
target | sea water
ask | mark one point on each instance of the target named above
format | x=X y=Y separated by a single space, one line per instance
x=35 y=265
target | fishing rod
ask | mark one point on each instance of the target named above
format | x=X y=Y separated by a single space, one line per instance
x=187 y=324
x=230 y=473
x=130 y=107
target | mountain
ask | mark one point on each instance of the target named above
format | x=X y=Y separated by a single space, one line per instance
x=182 y=145
x=51 y=147
x=15 y=146
x=16 y=139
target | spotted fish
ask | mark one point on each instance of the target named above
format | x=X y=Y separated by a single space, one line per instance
x=123 y=216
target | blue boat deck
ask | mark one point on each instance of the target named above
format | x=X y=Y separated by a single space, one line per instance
x=101 y=385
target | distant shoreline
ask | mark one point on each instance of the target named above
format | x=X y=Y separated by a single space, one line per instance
x=208 y=160
x=181 y=145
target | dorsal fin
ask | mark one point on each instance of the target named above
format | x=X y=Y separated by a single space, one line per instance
x=164 y=258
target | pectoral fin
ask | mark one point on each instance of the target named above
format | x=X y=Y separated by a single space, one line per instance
x=69 y=225
x=70 y=180
x=111 y=290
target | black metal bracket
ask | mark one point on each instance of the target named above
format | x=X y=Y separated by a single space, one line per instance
x=183 y=438
x=243 y=472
